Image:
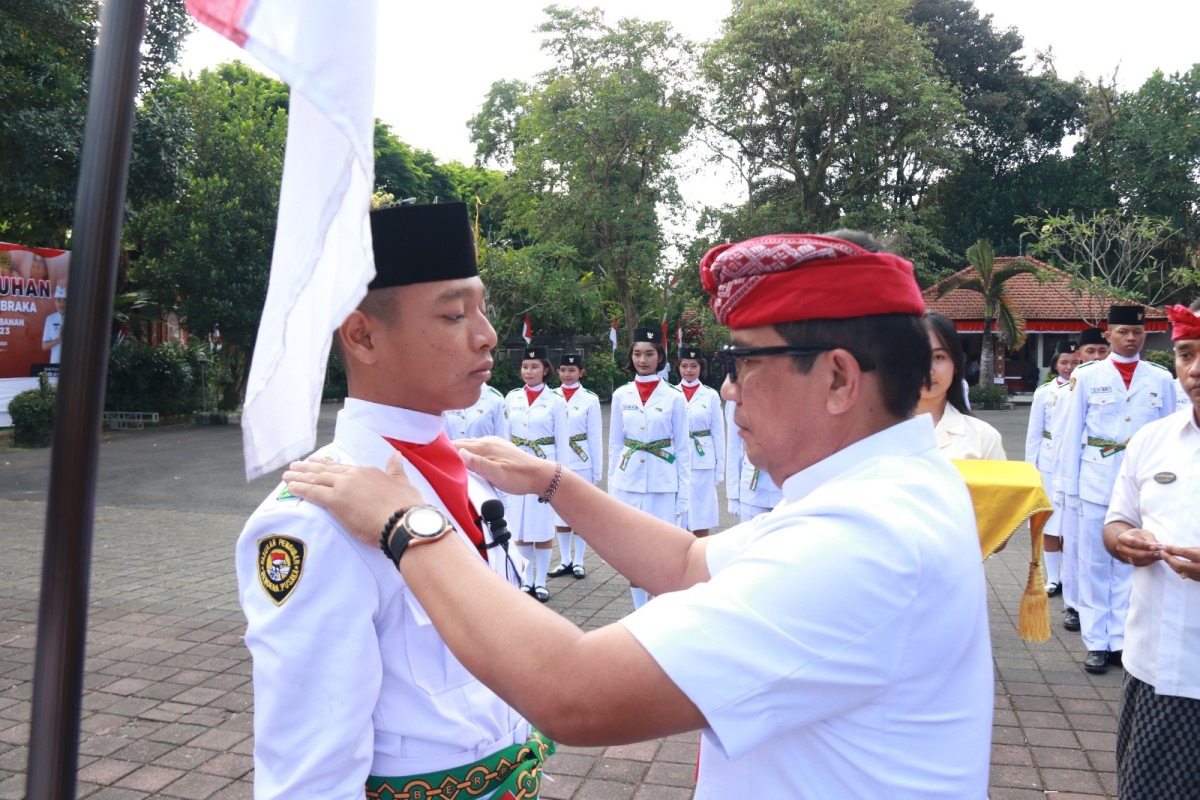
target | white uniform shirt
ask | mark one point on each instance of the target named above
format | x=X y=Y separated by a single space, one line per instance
x=350 y=677
x=485 y=418
x=1098 y=405
x=584 y=418
x=1182 y=400
x=964 y=437
x=744 y=482
x=704 y=414
x=1038 y=437
x=545 y=419
x=1158 y=488
x=52 y=331
x=664 y=416
x=841 y=647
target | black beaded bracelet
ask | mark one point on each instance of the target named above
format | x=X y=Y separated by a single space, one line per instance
x=388 y=527
x=549 y=493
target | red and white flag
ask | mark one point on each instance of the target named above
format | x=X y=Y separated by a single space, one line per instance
x=679 y=337
x=527 y=330
x=612 y=335
x=323 y=260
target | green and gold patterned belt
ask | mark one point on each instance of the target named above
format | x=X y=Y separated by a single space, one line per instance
x=574 y=442
x=696 y=440
x=516 y=769
x=1107 y=446
x=656 y=448
x=535 y=445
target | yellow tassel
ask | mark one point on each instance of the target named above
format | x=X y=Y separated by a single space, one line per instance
x=1033 y=624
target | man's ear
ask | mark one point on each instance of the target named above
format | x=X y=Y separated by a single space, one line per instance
x=355 y=335
x=845 y=381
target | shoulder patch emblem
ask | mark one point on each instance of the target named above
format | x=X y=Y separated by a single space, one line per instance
x=280 y=566
x=1071 y=384
x=284 y=494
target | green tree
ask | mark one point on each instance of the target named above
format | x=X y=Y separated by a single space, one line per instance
x=207 y=251
x=46 y=53
x=836 y=111
x=989 y=282
x=589 y=146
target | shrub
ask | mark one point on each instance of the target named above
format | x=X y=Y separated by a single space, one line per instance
x=163 y=379
x=335 y=379
x=32 y=414
x=981 y=395
x=1164 y=358
x=603 y=374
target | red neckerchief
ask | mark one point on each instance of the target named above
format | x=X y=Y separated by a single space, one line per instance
x=688 y=391
x=645 y=389
x=531 y=395
x=568 y=392
x=1126 y=370
x=441 y=465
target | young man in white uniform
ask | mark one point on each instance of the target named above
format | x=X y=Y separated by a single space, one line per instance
x=485 y=418
x=1039 y=451
x=584 y=455
x=52 y=333
x=1153 y=524
x=1093 y=347
x=1104 y=406
x=353 y=687
x=748 y=489
x=835 y=647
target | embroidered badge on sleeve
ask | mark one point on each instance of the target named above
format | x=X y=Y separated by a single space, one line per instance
x=280 y=565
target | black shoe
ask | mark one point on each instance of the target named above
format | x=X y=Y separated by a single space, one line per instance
x=1053 y=589
x=559 y=571
x=1070 y=619
x=1096 y=662
x=1114 y=658
x=579 y=572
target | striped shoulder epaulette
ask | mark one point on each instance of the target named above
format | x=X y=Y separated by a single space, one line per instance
x=495 y=391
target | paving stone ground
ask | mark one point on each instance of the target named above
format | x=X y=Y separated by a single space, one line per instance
x=167 y=709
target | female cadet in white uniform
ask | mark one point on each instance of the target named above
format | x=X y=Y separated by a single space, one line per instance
x=750 y=490
x=584 y=454
x=649 y=452
x=706 y=425
x=960 y=434
x=1039 y=451
x=537 y=423
x=487 y=417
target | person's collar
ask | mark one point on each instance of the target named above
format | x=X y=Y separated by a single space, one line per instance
x=392 y=422
x=574 y=385
x=912 y=437
x=646 y=378
x=537 y=388
x=953 y=421
x=1059 y=380
x=690 y=384
x=1120 y=359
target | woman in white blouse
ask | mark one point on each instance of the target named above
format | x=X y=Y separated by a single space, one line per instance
x=960 y=434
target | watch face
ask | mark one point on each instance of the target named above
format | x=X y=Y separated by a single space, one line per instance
x=424 y=522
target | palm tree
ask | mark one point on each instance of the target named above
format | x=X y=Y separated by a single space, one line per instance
x=998 y=308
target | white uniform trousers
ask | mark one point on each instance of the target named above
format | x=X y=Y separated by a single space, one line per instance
x=586 y=474
x=1067 y=510
x=1104 y=584
x=656 y=504
x=702 y=504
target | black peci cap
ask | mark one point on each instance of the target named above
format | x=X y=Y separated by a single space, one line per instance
x=422 y=244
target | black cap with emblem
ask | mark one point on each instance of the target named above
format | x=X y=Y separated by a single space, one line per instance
x=1065 y=346
x=647 y=335
x=422 y=244
x=1127 y=315
x=570 y=360
x=538 y=353
x=1092 y=336
x=694 y=353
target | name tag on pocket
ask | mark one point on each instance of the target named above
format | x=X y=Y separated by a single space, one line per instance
x=1101 y=390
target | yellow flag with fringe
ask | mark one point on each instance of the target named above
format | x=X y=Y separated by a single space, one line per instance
x=1006 y=494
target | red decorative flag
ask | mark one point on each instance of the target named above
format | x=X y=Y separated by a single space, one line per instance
x=612 y=335
x=527 y=330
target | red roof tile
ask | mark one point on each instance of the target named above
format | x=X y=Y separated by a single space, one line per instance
x=1048 y=306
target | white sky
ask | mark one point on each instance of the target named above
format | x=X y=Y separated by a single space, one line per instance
x=437 y=60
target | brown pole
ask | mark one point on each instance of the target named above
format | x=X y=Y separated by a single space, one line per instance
x=66 y=557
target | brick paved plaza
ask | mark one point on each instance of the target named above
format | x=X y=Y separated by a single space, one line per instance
x=167 y=710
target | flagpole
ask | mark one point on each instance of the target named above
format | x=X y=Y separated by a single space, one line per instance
x=66 y=557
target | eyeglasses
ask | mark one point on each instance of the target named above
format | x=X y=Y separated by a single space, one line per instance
x=731 y=355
